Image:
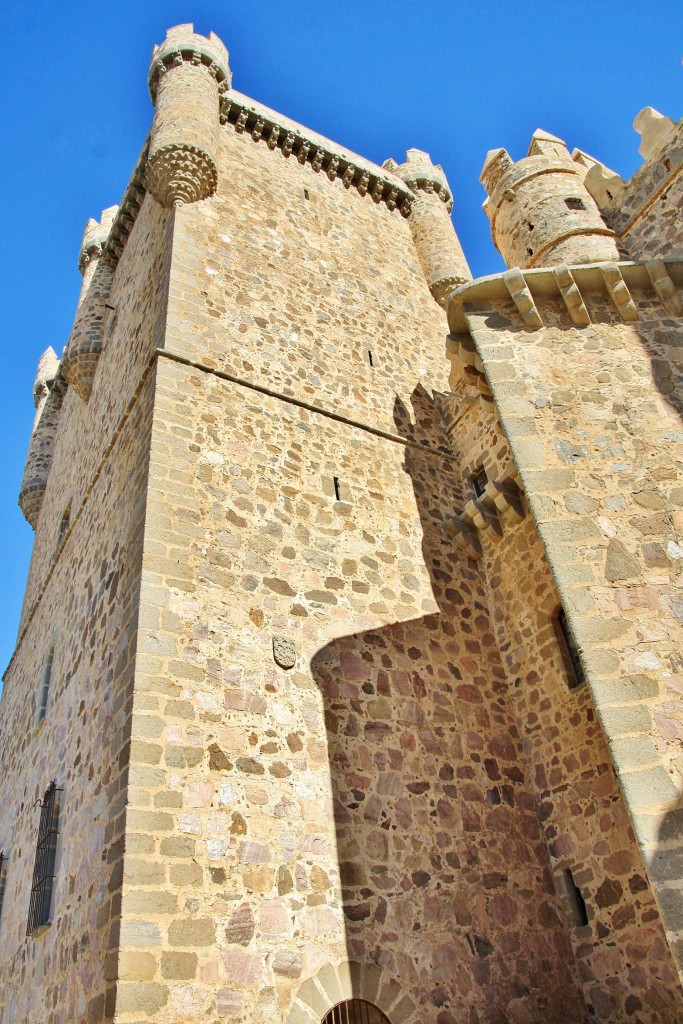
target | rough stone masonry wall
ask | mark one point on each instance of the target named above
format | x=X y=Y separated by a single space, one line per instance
x=82 y=597
x=592 y=418
x=646 y=210
x=88 y=613
x=368 y=806
x=624 y=961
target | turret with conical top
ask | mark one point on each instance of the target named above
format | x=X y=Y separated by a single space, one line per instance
x=541 y=213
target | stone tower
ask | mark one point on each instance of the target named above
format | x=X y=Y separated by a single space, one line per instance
x=346 y=680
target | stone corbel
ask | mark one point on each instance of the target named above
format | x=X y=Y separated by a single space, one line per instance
x=571 y=295
x=522 y=298
x=667 y=292
x=619 y=293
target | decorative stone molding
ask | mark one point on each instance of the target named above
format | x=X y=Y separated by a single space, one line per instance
x=79 y=366
x=618 y=281
x=186 y=77
x=248 y=117
x=128 y=211
x=502 y=502
x=184 y=45
x=421 y=175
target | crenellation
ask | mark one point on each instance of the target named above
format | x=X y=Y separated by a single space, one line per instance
x=540 y=211
x=364 y=667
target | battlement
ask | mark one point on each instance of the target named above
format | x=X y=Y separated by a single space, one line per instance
x=540 y=210
x=645 y=210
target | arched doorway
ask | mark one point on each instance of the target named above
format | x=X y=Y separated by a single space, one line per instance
x=355 y=1011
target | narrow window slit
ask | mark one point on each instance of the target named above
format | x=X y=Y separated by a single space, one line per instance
x=306 y=194
x=569 y=649
x=578 y=902
x=370 y=357
x=45 y=684
x=479 y=481
x=336 y=487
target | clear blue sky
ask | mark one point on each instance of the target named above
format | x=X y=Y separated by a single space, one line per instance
x=453 y=78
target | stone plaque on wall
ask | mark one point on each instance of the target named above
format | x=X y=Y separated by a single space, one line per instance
x=284 y=651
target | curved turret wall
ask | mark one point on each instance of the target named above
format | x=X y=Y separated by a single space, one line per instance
x=87 y=336
x=48 y=392
x=187 y=73
x=441 y=256
x=541 y=213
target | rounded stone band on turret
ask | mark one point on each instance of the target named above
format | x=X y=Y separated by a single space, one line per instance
x=187 y=76
x=438 y=247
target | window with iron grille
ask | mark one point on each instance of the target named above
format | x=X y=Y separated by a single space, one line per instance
x=44 y=867
x=569 y=649
x=355 y=1011
x=3 y=878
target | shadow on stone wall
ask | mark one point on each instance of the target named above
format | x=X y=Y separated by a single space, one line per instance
x=445 y=877
x=663 y=345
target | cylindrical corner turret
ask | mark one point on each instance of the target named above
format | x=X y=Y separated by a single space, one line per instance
x=441 y=257
x=48 y=392
x=541 y=213
x=187 y=74
x=87 y=336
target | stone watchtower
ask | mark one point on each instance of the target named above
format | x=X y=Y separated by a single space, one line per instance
x=344 y=688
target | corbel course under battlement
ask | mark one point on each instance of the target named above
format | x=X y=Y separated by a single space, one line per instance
x=246 y=116
x=241 y=114
x=663 y=278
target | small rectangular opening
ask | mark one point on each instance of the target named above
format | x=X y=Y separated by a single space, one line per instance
x=479 y=481
x=336 y=487
x=306 y=194
x=45 y=684
x=574 y=203
x=577 y=900
x=370 y=357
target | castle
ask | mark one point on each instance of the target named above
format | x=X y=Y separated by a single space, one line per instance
x=347 y=687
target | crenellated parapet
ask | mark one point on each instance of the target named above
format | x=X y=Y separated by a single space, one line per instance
x=48 y=391
x=441 y=256
x=645 y=210
x=186 y=77
x=87 y=336
x=540 y=210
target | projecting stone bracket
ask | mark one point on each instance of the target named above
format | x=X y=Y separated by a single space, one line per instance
x=619 y=293
x=501 y=503
x=462 y=351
